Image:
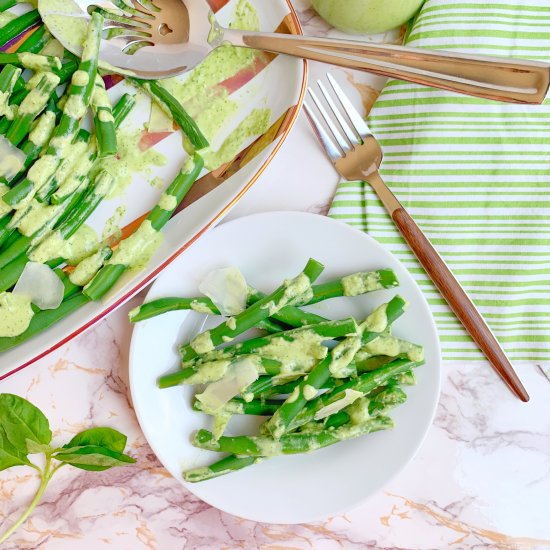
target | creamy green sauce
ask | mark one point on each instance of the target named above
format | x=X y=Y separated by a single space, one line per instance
x=360 y=283
x=342 y=355
x=309 y=392
x=105 y=116
x=407 y=378
x=209 y=372
x=202 y=343
x=359 y=411
x=73 y=157
x=15 y=314
x=231 y=323
x=389 y=345
x=80 y=78
x=88 y=267
x=42 y=132
x=268 y=447
x=74 y=180
x=36 y=98
x=294 y=289
x=167 y=202
x=136 y=250
x=297 y=355
x=42 y=170
x=74 y=107
x=36 y=62
x=37 y=216
x=199 y=307
x=112 y=229
x=157 y=182
x=377 y=321
x=5 y=109
x=129 y=160
x=294 y=395
x=63 y=18
x=256 y=123
x=83 y=243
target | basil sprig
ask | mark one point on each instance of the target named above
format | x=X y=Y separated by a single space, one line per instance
x=25 y=430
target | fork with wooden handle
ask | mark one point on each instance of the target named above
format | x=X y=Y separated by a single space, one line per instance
x=357 y=155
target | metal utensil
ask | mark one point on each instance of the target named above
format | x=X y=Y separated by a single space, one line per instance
x=357 y=155
x=162 y=38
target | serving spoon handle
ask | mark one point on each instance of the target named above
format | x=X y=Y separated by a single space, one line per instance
x=488 y=77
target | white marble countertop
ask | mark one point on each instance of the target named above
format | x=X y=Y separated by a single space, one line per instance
x=481 y=479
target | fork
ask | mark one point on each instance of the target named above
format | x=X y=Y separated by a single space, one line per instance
x=357 y=155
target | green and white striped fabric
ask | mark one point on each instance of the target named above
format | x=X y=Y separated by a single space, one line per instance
x=474 y=174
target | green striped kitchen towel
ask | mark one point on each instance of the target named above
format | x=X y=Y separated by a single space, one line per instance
x=474 y=174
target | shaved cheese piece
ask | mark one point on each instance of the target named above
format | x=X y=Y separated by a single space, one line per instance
x=238 y=377
x=11 y=159
x=349 y=397
x=159 y=121
x=40 y=283
x=227 y=288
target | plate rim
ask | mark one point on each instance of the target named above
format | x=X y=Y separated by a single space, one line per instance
x=413 y=452
x=206 y=227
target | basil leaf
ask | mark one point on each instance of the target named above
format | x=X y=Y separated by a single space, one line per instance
x=9 y=455
x=35 y=448
x=21 y=420
x=102 y=437
x=93 y=457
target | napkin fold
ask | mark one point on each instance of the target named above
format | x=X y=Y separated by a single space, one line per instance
x=474 y=174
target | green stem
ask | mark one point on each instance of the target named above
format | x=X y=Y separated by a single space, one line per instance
x=17 y=26
x=36 y=41
x=46 y=475
x=170 y=104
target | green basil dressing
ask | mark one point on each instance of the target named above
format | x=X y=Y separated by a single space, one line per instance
x=15 y=314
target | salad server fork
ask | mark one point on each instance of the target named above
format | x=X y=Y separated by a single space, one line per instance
x=357 y=155
x=161 y=38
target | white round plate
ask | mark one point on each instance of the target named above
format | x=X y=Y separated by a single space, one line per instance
x=268 y=248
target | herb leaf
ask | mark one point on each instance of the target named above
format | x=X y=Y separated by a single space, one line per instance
x=102 y=437
x=92 y=457
x=35 y=448
x=9 y=455
x=21 y=420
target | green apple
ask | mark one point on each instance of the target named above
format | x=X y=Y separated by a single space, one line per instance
x=366 y=16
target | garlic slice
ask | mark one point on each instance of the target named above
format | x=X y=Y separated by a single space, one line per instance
x=238 y=377
x=349 y=397
x=11 y=159
x=227 y=288
x=40 y=283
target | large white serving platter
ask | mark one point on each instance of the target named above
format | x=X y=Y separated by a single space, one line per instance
x=280 y=86
x=292 y=489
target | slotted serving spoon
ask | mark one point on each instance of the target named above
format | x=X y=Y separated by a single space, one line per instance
x=168 y=37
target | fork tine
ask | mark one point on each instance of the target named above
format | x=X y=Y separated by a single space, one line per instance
x=330 y=124
x=356 y=119
x=350 y=134
x=327 y=143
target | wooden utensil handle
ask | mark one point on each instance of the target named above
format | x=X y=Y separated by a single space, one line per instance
x=458 y=300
